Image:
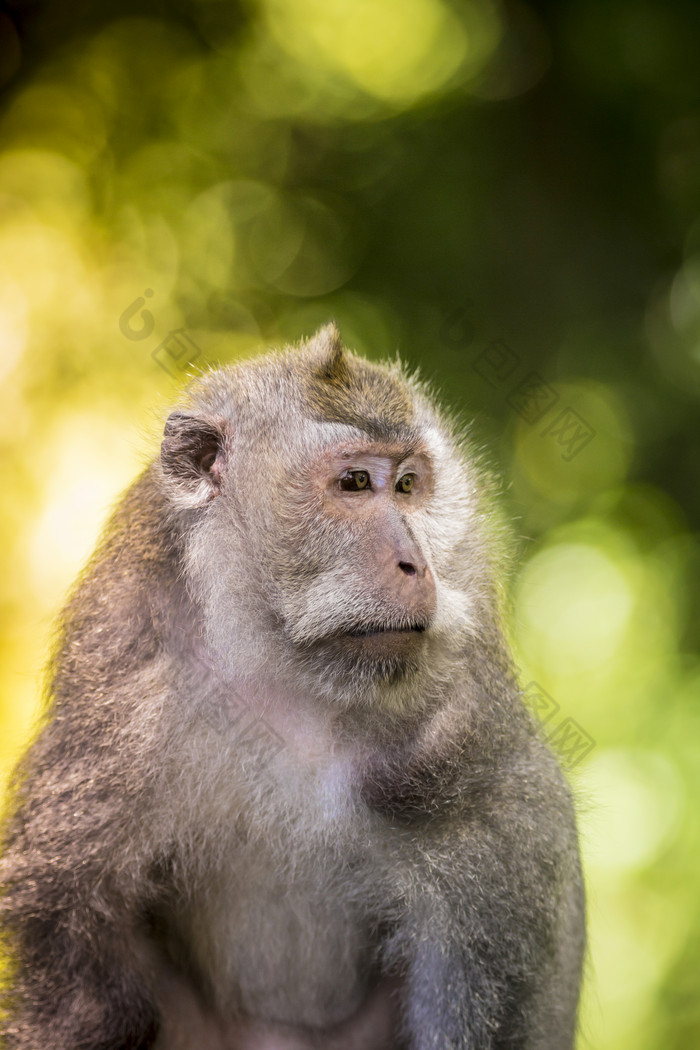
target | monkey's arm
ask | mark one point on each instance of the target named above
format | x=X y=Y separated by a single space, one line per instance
x=76 y=850
x=69 y=921
x=494 y=952
x=73 y=990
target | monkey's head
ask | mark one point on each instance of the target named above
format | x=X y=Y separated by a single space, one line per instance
x=329 y=518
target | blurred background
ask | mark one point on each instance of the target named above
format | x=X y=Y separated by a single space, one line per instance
x=506 y=193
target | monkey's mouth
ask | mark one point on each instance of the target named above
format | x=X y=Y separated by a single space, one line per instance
x=387 y=629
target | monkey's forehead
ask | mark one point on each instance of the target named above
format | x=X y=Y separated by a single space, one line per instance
x=386 y=435
x=346 y=440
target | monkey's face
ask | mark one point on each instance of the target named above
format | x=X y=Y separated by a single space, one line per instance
x=361 y=595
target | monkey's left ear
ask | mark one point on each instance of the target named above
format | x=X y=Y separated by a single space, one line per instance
x=192 y=457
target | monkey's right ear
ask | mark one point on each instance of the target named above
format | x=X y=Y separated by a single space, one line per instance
x=192 y=457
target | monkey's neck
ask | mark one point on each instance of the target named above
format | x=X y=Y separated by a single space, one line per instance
x=403 y=765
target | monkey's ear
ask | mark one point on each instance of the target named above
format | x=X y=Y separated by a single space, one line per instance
x=192 y=457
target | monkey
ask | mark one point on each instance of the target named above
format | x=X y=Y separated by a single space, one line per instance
x=286 y=793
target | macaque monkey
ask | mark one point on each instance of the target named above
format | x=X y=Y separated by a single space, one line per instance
x=287 y=794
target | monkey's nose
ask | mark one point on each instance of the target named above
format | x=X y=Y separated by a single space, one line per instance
x=416 y=587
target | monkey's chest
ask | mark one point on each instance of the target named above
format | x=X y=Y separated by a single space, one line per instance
x=288 y=947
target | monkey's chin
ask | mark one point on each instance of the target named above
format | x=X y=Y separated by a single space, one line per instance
x=354 y=663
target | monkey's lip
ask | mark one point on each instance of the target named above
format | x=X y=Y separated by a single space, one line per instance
x=387 y=630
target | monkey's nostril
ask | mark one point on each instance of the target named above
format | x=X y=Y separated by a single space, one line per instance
x=406 y=567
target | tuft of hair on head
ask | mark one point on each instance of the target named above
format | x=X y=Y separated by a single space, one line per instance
x=325 y=349
x=344 y=388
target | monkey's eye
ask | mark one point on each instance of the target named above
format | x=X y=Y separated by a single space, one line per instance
x=355 y=481
x=405 y=483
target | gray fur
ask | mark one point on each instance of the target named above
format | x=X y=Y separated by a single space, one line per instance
x=166 y=881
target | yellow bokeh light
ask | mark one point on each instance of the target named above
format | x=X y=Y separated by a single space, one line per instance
x=53 y=187
x=207 y=239
x=88 y=461
x=633 y=935
x=14 y=326
x=52 y=271
x=62 y=116
x=395 y=51
x=575 y=603
x=582 y=445
x=636 y=805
